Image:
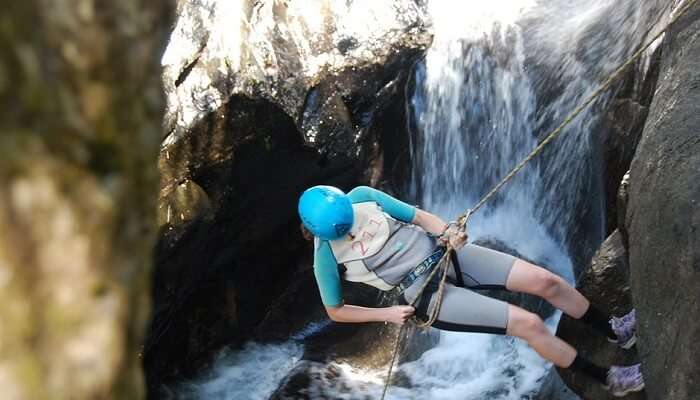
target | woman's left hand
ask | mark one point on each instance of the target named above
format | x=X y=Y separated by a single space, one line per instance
x=455 y=237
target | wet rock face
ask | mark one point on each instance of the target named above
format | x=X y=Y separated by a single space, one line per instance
x=623 y=127
x=326 y=64
x=364 y=346
x=621 y=208
x=663 y=219
x=605 y=284
x=218 y=272
x=264 y=100
x=80 y=116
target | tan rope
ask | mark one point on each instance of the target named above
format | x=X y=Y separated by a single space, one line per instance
x=441 y=266
x=463 y=218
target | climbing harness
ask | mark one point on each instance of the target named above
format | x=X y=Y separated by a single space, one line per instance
x=443 y=264
x=422 y=268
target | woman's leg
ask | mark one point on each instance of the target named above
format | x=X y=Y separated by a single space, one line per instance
x=466 y=311
x=486 y=268
x=529 y=278
x=529 y=327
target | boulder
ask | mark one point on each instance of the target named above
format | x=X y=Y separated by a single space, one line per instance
x=622 y=200
x=605 y=285
x=329 y=70
x=365 y=347
x=553 y=388
x=663 y=218
x=623 y=125
x=81 y=118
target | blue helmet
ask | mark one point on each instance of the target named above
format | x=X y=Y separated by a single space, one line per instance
x=326 y=211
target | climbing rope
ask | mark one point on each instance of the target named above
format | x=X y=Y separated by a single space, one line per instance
x=464 y=218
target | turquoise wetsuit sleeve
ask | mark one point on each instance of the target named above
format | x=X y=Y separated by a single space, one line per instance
x=327 y=276
x=396 y=208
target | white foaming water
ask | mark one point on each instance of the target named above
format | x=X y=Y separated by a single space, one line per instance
x=251 y=373
x=455 y=369
x=588 y=41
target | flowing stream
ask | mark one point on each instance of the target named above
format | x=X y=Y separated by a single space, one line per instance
x=499 y=76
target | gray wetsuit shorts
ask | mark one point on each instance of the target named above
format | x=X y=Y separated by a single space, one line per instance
x=462 y=309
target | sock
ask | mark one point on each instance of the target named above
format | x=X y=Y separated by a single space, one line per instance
x=599 y=321
x=598 y=373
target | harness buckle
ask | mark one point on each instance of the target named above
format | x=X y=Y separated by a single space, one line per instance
x=422 y=268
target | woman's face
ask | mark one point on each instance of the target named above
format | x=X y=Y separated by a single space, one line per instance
x=305 y=233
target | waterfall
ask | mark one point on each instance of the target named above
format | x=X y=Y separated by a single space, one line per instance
x=498 y=77
x=475 y=108
x=493 y=84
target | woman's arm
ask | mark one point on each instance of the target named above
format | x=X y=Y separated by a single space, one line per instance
x=431 y=223
x=328 y=280
x=400 y=210
x=392 y=206
x=350 y=313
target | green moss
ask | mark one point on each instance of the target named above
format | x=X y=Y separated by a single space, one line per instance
x=28 y=372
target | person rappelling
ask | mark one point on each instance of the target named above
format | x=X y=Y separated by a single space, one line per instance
x=371 y=237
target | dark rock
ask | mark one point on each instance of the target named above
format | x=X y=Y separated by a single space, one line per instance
x=663 y=218
x=623 y=125
x=622 y=200
x=365 y=346
x=218 y=272
x=553 y=388
x=295 y=308
x=311 y=380
x=605 y=285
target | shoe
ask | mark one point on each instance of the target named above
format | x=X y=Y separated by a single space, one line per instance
x=623 y=380
x=625 y=329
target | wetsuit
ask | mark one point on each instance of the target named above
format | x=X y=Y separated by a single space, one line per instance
x=383 y=246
